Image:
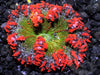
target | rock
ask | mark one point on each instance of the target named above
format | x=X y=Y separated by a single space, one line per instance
x=69 y=2
x=94 y=41
x=5 y=14
x=98 y=29
x=96 y=50
x=92 y=9
x=1 y=45
x=56 y=73
x=84 y=16
x=27 y=70
x=88 y=9
x=1 y=69
x=8 y=73
x=98 y=63
x=66 y=73
x=24 y=72
x=9 y=2
x=71 y=74
x=4 y=53
x=96 y=72
x=40 y=73
x=12 y=6
x=97 y=5
x=94 y=1
x=90 y=73
x=32 y=73
x=6 y=64
x=88 y=25
x=5 y=72
x=19 y=67
x=97 y=17
x=35 y=1
x=37 y=73
x=1 y=10
x=16 y=72
x=12 y=64
x=3 y=38
x=80 y=5
x=94 y=23
x=4 y=19
x=3 y=25
x=86 y=66
x=97 y=36
x=83 y=72
x=93 y=31
x=93 y=58
x=8 y=58
x=48 y=74
x=1 y=41
x=0 y=34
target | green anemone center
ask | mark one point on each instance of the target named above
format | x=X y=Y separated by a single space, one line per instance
x=54 y=33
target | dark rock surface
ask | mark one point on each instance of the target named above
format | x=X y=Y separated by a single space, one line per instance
x=97 y=36
x=96 y=17
x=90 y=12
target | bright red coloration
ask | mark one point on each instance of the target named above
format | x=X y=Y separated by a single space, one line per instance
x=50 y=16
x=73 y=53
x=10 y=25
x=59 y=58
x=18 y=7
x=36 y=17
x=87 y=36
x=23 y=61
x=52 y=66
x=15 y=12
x=20 y=38
x=12 y=40
x=68 y=9
x=39 y=47
x=19 y=59
x=43 y=64
x=17 y=53
x=76 y=63
x=77 y=38
x=53 y=13
x=71 y=39
x=29 y=59
x=75 y=24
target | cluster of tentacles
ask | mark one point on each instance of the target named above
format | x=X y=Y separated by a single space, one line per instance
x=77 y=38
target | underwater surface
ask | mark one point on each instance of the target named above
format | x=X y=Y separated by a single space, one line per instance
x=50 y=37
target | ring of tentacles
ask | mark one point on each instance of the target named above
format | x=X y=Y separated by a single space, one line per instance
x=48 y=36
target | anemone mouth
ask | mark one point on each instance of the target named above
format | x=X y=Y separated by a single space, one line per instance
x=53 y=33
x=48 y=36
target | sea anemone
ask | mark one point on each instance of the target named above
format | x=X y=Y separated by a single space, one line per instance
x=48 y=36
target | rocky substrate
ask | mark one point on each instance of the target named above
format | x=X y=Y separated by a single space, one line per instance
x=90 y=12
